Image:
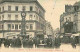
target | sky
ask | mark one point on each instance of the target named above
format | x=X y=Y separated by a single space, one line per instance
x=54 y=8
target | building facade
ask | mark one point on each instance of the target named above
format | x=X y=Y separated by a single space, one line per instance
x=49 y=30
x=10 y=17
x=57 y=32
x=70 y=19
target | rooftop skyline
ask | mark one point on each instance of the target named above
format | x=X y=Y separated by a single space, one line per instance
x=54 y=8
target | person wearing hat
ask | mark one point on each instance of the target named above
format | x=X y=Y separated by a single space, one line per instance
x=73 y=43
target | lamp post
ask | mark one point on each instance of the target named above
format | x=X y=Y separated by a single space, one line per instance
x=23 y=22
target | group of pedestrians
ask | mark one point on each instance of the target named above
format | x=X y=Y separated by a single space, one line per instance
x=29 y=42
x=57 y=42
x=18 y=43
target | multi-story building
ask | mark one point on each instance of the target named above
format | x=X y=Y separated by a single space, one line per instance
x=10 y=17
x=69 y=20
x=49 y=30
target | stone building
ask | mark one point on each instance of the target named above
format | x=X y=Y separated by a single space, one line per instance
x=70 y=22
x=49 y=30
x=70 y=19
x=10 y=17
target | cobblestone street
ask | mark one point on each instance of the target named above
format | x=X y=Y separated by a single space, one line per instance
x=63 y=48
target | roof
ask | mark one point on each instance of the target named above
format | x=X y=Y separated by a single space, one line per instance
x=77 y=3
x=22 y=1
x=16 y=0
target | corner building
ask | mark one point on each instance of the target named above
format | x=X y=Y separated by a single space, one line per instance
x=70 y=19
x=10 y=18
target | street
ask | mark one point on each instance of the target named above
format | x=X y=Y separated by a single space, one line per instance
x=39 y=26
x=69 y=48
x=63 y=48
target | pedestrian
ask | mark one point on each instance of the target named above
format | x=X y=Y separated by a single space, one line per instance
x=79 y=39
x=49 y=42
x=57 y=42
x=30 y=43
x=36 y=41
x=6 y=43
x=25 y=43
x=18 y=43
x=13 y=42
x=53 y=41
x=0 y=42
x=73 y=43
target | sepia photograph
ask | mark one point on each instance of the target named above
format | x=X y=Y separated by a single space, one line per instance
x=39 y=25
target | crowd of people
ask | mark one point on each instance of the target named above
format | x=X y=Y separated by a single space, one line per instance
x=28 y=43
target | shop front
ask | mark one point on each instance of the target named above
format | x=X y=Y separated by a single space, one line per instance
x=40 y=35
x=76 y=38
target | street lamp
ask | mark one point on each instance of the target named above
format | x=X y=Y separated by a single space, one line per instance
x=23 y=23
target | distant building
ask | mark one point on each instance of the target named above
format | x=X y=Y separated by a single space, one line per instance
x=10 y=17
x=70 y=19
x=49 y=30
x=56 y=32
x=70 y=23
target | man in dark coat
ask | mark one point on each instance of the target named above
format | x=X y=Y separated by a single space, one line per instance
x=7 y=43
x=73 y=43
x=25 y=43
x=49 y=42
x=30 y=43
x=0 y=42
x=57 y=42
x=18 y=42
x=13 y=42
x=36 y=42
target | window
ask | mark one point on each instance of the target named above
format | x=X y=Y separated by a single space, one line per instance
x=0 y=9
x=31 y=26
x=16 y=27
x=34 y=15
x=2 y=17
x=19 y=26
x=36 y=9
x=66 y=19
x=9 y=16
x=3 y=8
x=16 y=8
x=30 y=17
x=16 y=17
x=24 y=7
x=31 y=8
x=9 y=26
x=12 y=26
x=40 y=12
x=69 y=18
x=27 y=26
x=9 y=8
x=0 y=26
